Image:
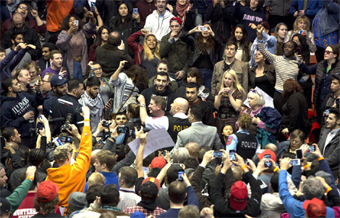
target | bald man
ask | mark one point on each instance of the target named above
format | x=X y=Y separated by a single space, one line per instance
x=30 y=36
x=192 y=147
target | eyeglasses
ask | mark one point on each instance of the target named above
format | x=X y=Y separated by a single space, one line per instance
x=121 y=118
x=328 y=52
x=23 y=8
x=96 y=69
x=295 y=141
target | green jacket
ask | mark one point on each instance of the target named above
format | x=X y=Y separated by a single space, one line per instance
x=19 y=194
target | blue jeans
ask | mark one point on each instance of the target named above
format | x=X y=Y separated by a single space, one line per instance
x=77 y=72
x=207 y=76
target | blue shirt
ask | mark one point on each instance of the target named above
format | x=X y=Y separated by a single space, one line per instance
x=293 y=206
x=111 y=178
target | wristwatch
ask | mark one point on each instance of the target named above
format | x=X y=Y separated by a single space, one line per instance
x=142 y=105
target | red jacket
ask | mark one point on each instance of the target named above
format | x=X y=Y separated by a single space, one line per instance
x=136 y=47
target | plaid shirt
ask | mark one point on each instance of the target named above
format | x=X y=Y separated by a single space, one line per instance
x=146 y=212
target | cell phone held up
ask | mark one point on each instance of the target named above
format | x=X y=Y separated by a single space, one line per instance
x=267 y=162
x=232 y=155
x=180 y=173
x=217 y=154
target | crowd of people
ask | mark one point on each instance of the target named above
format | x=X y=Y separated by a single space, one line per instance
x=170 y=108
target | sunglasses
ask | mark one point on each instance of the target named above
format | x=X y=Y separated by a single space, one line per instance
x=255 y=91
x=328 y=52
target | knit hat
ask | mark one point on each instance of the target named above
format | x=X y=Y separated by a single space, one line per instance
x=336 y=76
x=149 y=191
x=176 y=19
x=57 y=80
x=5 y=206
x=265 y=25
x=267 y=151
x=158 y=162
x=77 y=201
x=238 y=196
x=47 y=191
x=315 y=208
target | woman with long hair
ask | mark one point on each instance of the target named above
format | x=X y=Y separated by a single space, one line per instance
x=262 y=74
x=295 y=110
x=147 y=54
x=127 y=85
x=240 y=36
x=229 y=100
x=302 y=26
x=280 y=34
x=101 y=39
x=72 y=41
x=125 y=23
x=207 y=45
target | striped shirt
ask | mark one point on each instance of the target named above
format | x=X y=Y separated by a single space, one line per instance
x=284 y=68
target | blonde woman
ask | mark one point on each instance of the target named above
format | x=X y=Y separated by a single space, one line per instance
x=34 y=72
x=302 y=26
x=147 y=54
x=228 y=101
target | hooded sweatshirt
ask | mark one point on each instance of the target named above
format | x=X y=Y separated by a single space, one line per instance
x=72 y=178
x=168 y=95
x=158 y=25
x=13 y=110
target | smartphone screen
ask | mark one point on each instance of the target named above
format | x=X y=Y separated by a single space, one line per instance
x=180 y=173
x=311 y=148
x=298 y=153
x=295 y=162
x=135 y=11
x=232 y=155
x=267 y=162
x=217 y=154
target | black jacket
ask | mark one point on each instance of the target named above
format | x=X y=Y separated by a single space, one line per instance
x=109 y=57
x=168 y=94
x=13 y=110
x=222 y=207
x=30 y=37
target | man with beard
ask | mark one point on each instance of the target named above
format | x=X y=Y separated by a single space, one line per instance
x=192 y=97
x=17 y=38
x=92 y=99
x=329 y=143
x=30 y=36
x=161 y=88
x=173 y=124
x=56 y=67
x=44 y=61
x=59 y=86
x=17 y=110
x=68 y=104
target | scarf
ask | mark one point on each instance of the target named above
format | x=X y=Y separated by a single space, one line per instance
x=148 y=205
x=181 y=9
x=96 y=105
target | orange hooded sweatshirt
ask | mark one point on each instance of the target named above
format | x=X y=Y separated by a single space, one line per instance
x=72 y=178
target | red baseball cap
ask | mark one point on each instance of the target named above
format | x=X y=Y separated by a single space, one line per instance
x=47 y=191
x=238 y=196
x=267 y=151
x=158 y=162
x=315 y=208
